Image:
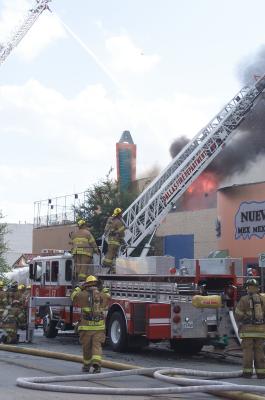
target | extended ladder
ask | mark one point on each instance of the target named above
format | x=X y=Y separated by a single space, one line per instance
x=151 y=206
x=32 y=16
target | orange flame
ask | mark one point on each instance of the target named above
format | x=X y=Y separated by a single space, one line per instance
x=205 y=183
x=202 y=193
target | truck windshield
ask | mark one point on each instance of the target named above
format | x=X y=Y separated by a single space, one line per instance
x=54 y=271
x=68 y=270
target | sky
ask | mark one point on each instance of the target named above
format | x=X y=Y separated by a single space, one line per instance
x=87 y=71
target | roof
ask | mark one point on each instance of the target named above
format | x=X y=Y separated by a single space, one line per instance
x=240 y=185
x=22 y=260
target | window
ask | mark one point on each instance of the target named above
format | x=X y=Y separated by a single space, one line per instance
x=68 y=270
x=31 y=271
x=48 y=271
x=54 y=271
x=37 y=270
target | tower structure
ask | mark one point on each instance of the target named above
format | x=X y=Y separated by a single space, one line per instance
x=126 y=160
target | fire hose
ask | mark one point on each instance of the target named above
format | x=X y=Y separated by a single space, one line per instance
x=190 y=385
x=223 y=389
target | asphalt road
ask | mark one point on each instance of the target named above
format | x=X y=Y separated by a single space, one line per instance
x=14 y=365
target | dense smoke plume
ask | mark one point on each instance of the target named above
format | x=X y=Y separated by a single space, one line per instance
x=248 y=142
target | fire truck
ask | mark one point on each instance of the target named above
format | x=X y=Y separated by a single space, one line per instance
x=188 y=309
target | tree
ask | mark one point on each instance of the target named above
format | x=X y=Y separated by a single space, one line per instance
x=100 y=201
x=3 y=247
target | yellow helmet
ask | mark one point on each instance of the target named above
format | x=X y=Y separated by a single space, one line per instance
x=21 y=286
x=82 y=277
x=116 y=212
x=2 y=284
x=91 y=279
x=81 y=222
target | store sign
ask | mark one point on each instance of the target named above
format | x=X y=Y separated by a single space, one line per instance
x=250 y=220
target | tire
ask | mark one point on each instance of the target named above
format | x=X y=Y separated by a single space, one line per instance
x=117 y=332
x=49 y=327
x=186 y=346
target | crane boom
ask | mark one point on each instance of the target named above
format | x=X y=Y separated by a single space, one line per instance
x=145 y=214
x=30 y=19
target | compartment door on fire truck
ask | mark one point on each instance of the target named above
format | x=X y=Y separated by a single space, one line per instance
x=179 y=246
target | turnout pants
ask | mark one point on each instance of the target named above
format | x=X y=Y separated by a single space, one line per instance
x=110 y=256
x=253 y=351
x=83 y=264
x=92 y=342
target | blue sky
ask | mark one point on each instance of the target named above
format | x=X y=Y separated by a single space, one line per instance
x=173 y=65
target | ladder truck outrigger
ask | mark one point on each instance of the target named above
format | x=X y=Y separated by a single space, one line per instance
x=189 y=309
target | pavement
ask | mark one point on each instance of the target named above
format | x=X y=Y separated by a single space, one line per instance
x=14 y=365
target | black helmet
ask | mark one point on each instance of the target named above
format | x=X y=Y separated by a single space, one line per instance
x=252 y=282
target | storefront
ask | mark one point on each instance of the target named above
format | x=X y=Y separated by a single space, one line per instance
x=241 y=221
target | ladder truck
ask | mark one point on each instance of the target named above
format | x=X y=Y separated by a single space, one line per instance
x=188 y=310
x=32 y=16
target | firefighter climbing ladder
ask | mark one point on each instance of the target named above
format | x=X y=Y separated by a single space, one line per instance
x=32 y=16
x=147 y=211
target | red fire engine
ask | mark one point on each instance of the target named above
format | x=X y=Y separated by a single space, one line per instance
x=144 y=308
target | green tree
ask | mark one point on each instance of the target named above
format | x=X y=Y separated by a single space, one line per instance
x=100 y=201
x=3 y=247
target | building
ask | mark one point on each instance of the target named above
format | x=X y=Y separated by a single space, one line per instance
x=19 y=240
x=233 y=225
x=241 y=221
x=126 y=161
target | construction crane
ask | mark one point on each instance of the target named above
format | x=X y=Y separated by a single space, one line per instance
x=22 y=30
x=156 y=201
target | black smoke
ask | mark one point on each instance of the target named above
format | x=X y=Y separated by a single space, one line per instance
x=248 y=142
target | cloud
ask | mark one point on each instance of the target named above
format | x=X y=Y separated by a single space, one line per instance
x=127 y=57
x=45 y=31
x=55 y=145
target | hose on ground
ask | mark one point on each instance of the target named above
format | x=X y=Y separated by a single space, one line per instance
x=119 y=367
x=190 y=385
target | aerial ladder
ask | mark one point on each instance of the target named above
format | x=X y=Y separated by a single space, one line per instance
x=28 y=22
x=145 y=214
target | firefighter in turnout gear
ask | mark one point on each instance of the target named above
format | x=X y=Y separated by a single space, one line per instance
x=10 y=315
x=115 y=232
x=23 y=300
x=250 y=313
x=3 y=300
x=83 y=247
x=93 y=300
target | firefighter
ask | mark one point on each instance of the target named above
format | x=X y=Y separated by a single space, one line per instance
x=22 y=306
x=3 y=299
x=93 y=300
x=10 y=315
x=114 y=232
x=250 y=313
x=84 y=245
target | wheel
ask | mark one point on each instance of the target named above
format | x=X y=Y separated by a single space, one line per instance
x=49 y=327
x=186 y=346
x=117 y=332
